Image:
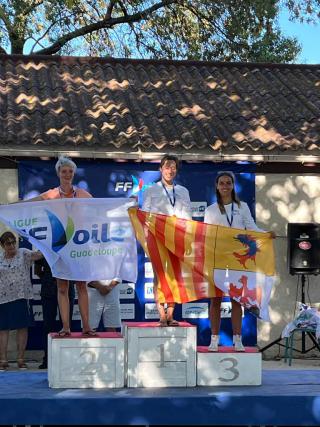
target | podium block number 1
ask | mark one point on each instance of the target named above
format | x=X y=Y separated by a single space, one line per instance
x=161 y=347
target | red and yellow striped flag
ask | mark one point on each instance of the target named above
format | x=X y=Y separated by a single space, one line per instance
x=185 y=253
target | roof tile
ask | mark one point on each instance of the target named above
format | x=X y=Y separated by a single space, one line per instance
x=150 y=106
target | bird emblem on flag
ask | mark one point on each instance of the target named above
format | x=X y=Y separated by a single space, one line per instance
x=250 y=243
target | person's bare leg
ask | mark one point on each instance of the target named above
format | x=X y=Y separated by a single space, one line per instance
x=63 y=301
x=4 y=340
x=215 y=320
x=22 y=338
x=236 y=317
x=160 y=306
x=170 y=311
x=215 y=315
x=83 y=305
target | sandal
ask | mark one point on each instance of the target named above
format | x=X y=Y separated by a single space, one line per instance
x=63 y=333
x=163 y=323
x=89 y=333
x=21 y=364
x=4 y=365
x=173 y=322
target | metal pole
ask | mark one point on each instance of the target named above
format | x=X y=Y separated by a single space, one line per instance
x=303 y=300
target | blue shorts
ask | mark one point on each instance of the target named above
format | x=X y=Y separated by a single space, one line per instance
x=16 y=315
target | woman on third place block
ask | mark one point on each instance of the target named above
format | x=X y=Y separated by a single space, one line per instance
x=228 y=211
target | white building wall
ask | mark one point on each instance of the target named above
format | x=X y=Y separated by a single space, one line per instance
x=280 y=199
x=9 y=186
x=8 y=189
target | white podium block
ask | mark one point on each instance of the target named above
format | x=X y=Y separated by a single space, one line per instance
x=160 y=357
x=80 y=362
x=227 y=367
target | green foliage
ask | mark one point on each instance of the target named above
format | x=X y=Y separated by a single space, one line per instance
x=228 y=30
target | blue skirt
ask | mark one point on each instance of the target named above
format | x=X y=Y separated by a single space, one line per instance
x=16 y=315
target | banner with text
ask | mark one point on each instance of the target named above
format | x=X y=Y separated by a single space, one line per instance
x=82 y=239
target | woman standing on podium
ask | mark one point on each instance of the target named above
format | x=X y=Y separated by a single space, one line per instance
x=167 y=198
x=66 y=169
x=228 y=211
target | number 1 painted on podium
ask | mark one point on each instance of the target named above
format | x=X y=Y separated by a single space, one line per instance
x=161 y=346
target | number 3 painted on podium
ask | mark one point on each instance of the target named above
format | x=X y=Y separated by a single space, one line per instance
x=231 y=369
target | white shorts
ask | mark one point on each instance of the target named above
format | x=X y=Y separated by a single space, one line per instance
x=107 y=306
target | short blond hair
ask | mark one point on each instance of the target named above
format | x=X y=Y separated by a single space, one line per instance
x=65 y=161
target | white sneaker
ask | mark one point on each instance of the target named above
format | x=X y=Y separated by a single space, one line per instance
x=214 y=343
x=237 y=342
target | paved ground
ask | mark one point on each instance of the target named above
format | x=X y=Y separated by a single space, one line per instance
x=306 y=364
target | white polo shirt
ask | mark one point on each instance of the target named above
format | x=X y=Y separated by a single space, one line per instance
x=239 y=217
x=157 y=200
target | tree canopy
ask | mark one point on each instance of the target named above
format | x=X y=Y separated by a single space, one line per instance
x=229 y=30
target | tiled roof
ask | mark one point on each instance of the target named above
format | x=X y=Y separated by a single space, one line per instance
x=146 y=107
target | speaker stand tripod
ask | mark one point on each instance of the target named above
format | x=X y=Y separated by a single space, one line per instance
x=304 y=334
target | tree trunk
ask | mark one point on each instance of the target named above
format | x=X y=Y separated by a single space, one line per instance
x=17 y=45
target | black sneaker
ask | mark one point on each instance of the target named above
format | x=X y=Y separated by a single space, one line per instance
x=43 y=365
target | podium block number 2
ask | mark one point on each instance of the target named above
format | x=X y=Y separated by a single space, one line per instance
x=88 y=363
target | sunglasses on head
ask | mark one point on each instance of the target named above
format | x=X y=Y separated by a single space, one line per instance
x=10 y=242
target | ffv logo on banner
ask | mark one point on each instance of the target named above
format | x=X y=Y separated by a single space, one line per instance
x=136 y=185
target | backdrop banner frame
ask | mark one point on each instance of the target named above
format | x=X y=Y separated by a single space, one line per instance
x=124 y=179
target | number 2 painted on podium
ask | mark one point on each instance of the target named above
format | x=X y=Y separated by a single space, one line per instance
x=90 y=367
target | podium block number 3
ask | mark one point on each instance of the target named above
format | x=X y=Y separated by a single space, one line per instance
x=228 y=369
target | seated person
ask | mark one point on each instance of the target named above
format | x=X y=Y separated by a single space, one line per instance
x=104 y=302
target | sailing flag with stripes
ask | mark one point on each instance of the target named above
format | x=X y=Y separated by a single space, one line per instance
x=194 y=260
